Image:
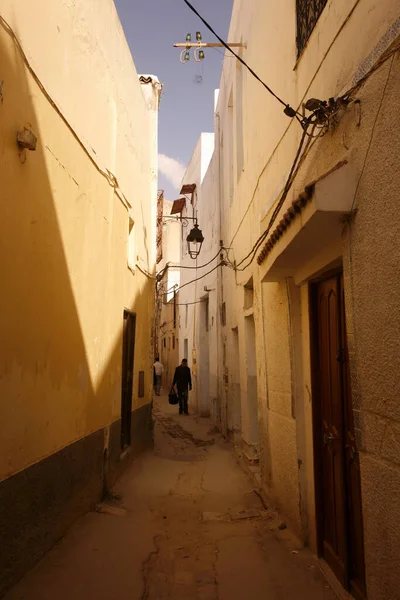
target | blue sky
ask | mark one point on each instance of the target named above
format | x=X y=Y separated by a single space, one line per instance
x=151 y=27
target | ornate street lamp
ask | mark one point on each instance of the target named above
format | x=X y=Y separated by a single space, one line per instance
x=195 y=241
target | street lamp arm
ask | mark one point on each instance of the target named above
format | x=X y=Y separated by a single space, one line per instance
x=206 y=45
x=179 y=218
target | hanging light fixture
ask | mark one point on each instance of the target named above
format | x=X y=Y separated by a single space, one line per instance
x=195 y=241
x=198 y=55
x=185 y=56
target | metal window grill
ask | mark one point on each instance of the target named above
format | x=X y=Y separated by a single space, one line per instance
x=308 y=13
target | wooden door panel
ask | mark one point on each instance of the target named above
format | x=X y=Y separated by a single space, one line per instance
x=334 y=538
x=128 y=348
x=340 y=519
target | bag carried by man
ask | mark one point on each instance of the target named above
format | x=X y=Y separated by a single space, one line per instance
x=173 y=397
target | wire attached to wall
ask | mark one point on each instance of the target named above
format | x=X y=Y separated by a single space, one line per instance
x=200 y=266
x=110 y=177
x=220 y=264
x=289 y=111
x=329 y=108
x=342 y=100
x=252 y=254
x=183 y=303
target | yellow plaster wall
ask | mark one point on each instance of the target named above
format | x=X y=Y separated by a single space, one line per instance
x=63 y=247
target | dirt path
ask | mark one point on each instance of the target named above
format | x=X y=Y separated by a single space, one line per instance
x=188 y=526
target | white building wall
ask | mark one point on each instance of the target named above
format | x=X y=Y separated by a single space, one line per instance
x=190 y=295
x=258 y=143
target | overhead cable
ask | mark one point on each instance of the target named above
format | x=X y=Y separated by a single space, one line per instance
x=161 y=273
x=384 y=58
x=199 y=266
x=220 y=264
x=183 y=303
x=289 y=111
x=285 y=192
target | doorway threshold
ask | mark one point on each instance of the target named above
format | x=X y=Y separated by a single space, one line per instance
x=333 y=581
x=125 y=453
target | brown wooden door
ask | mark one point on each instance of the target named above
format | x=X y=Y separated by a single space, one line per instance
x=128 y=350
x=337 y=467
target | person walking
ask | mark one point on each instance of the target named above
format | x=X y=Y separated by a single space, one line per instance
x=158 y=371
x=183 y=382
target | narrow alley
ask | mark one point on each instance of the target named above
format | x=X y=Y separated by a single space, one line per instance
x=184 y=522
x=200 y=199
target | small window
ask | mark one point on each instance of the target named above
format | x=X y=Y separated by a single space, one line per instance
x=206 y=314
x=174 y=310
x=131 y=245
x=165 y=342
x=308 y=13
x=248 y=294
x=173 y=342
x=223 y=314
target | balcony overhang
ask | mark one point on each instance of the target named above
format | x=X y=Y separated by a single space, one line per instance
x=309 y=236
x=188 y=188
x=178 y=206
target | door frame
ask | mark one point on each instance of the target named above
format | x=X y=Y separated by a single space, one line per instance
x=127 y=389
x=316 y=408
x=316 y=425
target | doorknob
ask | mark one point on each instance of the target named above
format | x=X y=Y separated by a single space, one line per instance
x=328 y=437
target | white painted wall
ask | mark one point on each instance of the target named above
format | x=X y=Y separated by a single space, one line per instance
x=69 y=76
x=192 y=293
x=258 y=143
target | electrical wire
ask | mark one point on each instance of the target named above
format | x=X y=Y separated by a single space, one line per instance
x=223 y=53
x=283 y=198
x=221 y=264
x=167 y=322
x=304 y=122
x=200 y=266
x=345 y=96
x=108 y=175
x=240 y=59
x=372 y=134
x=377 y=65
x=285 y=192
x=161 y=273
x=183 y=303
x=164 y=333
x=381 y=61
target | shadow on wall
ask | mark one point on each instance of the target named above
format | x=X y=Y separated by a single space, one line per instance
x=48 y=401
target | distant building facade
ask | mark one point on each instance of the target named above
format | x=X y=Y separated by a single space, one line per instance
x=167 y=331
x=193 y=299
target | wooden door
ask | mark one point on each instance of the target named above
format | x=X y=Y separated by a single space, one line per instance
x=340 y=529
x=128 y=350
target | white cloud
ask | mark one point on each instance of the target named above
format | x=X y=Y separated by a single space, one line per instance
x=172 y=169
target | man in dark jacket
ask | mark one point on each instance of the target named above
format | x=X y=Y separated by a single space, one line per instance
x=183 y=383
